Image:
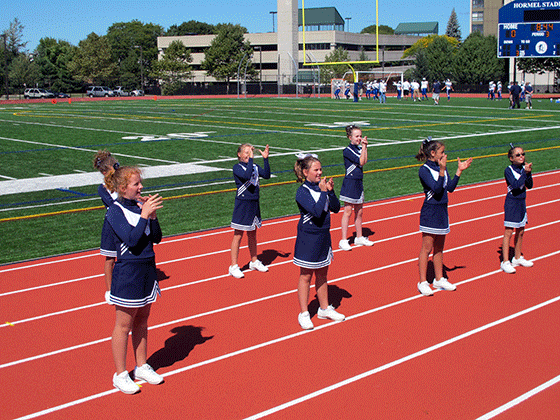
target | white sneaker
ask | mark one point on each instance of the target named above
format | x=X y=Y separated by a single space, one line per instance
x=124 y=384
x=146 y=373
x=425 y=288
x=521 y=261
x=362 y=241
x=108 y=298
x=236 y=272
x=444 y=284
x=330 y=313
x=506 y=267
x=259 y=266
x=304 y=320
x=344 y=245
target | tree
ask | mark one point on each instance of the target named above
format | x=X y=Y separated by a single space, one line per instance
x=227 y=49
x=425 y=42
x=453 y=29
x=133 y=47
x=422 y=66
x=476 y=60
x=11 y=45
x=192 y=27
x=439 y=58
x=383 y=30
x=335 y=71
x=24 y=72
x=363 y=57
x=173 y=68
x=92 y=62
x=538 y=65
x=14 y=38
x=52 y=58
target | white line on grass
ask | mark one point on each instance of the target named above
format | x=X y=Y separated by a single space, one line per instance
x=81 y=149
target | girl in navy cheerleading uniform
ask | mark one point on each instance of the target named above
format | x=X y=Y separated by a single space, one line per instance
x=133 y=228
x=518 y=180
x=313 y=250
x=246 y=211
x=352 y=191
x=434 y=220
x=103 y=161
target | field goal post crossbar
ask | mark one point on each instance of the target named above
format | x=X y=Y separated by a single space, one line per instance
x=305 y=63
x=364 y=76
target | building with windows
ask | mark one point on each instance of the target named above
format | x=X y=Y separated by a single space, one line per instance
x=484 y=15
x=323 y=34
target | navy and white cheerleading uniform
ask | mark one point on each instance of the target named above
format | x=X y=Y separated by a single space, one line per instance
x=518 y=182
x=134 y=282
x=352 y=190
x=246 y=211
x=107 y=197
x=434 y=218
x=108 y=248
x=313 y=248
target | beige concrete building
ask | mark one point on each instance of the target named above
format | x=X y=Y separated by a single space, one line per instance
x=318 y=45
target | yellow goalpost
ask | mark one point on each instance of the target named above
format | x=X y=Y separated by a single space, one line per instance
x=349 y=63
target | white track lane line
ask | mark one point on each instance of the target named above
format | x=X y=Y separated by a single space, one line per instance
x=321 y=391
x=270 y=297
x=263 y=243
x=401 y=360
x=273 y=221
x=519 y=399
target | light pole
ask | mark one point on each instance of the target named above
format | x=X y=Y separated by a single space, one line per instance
x=273 y=13
x=348 y=23
x=259 y=49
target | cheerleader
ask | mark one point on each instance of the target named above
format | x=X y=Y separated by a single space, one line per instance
x=103 y=161
x=133 y=227
x=246 y=211
x=313 y=251
x=434 y=220
x=518 y=180
x=352 y=191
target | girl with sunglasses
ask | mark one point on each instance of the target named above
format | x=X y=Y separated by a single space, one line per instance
x=518 y=180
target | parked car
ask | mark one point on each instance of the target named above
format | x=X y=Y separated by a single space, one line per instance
x=137 y=92
x=37 y=93
x=61 y=95
x=99 y=91
x=118 y=91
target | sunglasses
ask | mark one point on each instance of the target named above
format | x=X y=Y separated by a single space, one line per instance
x=519 y=154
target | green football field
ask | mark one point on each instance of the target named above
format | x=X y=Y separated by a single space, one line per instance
x=187 y=147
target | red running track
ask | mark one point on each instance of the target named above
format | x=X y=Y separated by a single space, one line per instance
x=233 y=349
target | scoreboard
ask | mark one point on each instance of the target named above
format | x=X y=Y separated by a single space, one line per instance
x=529 y=39
x=529 y=29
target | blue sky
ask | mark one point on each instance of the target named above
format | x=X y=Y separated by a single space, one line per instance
x=72 y=21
